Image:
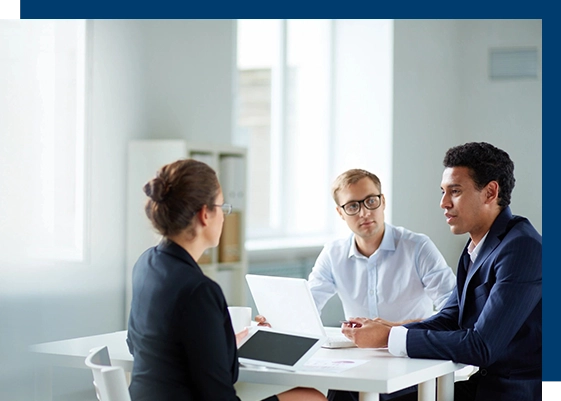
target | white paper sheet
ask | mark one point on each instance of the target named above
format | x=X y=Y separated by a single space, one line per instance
x=332 y=365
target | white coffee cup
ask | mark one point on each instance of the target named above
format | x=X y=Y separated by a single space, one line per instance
x=240 y=316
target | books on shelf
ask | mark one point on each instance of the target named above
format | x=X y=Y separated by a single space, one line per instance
x=230 y=245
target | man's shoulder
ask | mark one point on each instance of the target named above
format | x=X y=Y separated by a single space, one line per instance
x=523 y=225
x=510 y=226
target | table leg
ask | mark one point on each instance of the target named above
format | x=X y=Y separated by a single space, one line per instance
x=427 y=390
x=445 y=389
x=43 y=383
x=362 y=396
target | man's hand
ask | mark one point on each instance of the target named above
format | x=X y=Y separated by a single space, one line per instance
x=367 y=333
x=386 y=322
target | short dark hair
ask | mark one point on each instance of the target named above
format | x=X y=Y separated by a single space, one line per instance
x=486 y=163
x=179 y=190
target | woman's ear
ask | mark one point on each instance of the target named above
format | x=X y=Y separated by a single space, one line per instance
x=203 y=216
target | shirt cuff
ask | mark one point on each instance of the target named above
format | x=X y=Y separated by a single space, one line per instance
x=397 y=342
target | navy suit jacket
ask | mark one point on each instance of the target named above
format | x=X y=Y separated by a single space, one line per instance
x=493 y=319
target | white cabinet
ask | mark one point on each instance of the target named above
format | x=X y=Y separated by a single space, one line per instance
x=227 y=263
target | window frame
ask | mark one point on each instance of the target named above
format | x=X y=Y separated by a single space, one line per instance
x=277 y=235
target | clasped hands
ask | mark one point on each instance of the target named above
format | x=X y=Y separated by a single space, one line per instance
x=368 y=333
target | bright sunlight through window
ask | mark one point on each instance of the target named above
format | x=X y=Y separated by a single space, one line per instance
x=42 y=129
x=285 y=85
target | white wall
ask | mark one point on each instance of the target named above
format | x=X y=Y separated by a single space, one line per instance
x=506 y=113
x=190 y=67
x=442 y=98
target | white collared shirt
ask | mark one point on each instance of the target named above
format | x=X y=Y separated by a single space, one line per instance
x=397 y=341
x=473 y=250
x=406 y=278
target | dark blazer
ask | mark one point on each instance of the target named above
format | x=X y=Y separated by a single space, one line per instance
x=493 y=318
x=179 y=331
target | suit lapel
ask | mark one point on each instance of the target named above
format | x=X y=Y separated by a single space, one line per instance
x=492 y=240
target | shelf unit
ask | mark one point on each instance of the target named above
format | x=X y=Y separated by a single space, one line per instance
x=227 y=263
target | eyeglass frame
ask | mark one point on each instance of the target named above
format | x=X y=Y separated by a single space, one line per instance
x=226 y=208
x=361 y=203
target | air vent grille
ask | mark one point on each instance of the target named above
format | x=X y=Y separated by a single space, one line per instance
x=513 y=63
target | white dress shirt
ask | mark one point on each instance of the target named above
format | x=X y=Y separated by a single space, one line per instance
x=397 y=341
x=406 y=278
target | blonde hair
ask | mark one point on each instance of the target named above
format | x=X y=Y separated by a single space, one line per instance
x=350 y=177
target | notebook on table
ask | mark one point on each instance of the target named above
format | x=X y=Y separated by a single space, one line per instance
x=272 y=348
x=287 y=304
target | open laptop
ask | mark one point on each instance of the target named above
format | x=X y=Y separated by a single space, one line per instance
x=272 y=348
x=287 y=303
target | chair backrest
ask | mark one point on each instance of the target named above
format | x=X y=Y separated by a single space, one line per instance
x=109 y=381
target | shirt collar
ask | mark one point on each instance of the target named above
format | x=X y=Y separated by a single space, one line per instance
x=387 y=244
x=473 y=250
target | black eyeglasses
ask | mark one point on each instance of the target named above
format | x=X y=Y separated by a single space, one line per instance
x=226 y=208
x=353 y=207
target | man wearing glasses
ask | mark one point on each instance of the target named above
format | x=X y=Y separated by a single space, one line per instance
x=379 y=271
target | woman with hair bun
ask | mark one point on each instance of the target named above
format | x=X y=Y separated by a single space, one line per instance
x=179 y=331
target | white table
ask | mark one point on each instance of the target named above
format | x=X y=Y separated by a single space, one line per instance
x=383 y=373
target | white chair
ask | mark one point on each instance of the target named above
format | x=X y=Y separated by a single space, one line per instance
x=109 y=381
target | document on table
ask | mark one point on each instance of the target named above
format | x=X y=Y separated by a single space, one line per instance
x=331 y=365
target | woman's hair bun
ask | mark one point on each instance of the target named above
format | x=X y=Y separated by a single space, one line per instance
x=156 y=189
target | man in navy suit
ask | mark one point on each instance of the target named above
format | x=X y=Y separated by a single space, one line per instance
x=493 y=319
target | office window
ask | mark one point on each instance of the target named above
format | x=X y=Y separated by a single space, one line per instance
x=42 y=131
x=285 y=84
